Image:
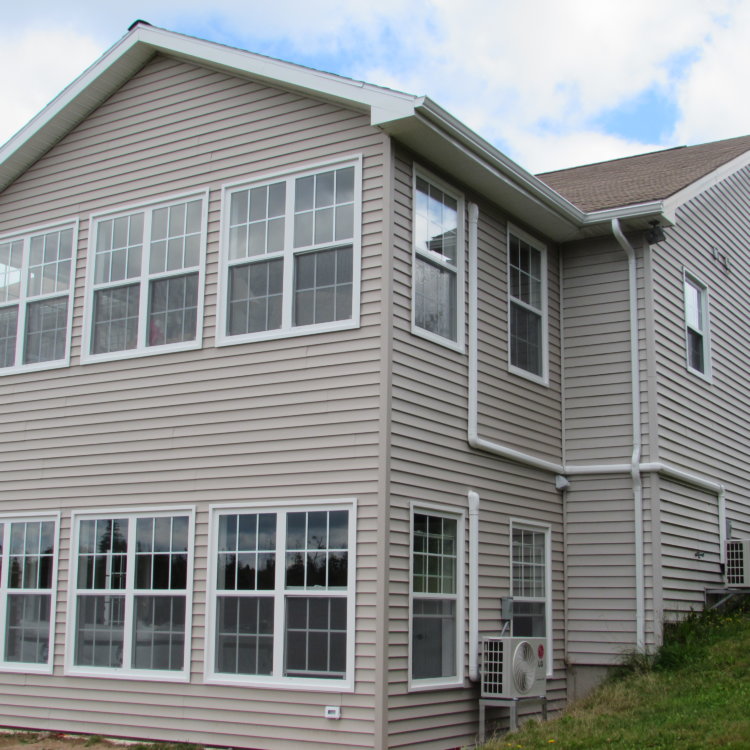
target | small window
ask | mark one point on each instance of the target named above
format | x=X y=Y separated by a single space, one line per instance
x=291 y=255
x=27 y=587
x=145 y=280
x=435 y=605
x=283 y=601
x=437 y=283
x=36 y=287
x=530 y=582
x=132 y=584
x=527 y=306
x=696 y=326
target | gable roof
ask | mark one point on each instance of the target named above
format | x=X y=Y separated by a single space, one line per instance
x=658 y=175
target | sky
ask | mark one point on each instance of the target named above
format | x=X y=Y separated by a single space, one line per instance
x=551 y=83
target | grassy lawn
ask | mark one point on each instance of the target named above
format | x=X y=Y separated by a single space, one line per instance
x=692 y=695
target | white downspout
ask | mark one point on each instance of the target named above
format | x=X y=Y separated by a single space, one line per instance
x=635 y=468
x=473 y=586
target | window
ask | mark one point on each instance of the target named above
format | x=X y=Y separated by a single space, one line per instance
x=27 y=575
x=437 y=284
x=36 y=272
x=696 y=326
x=530 y=582
x=283 y=608
x=291 y=255
x=145 y=280
x=527 y=306
x=132 y=595
x=435 y=616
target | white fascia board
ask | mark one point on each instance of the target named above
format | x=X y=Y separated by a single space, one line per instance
x=681 y=197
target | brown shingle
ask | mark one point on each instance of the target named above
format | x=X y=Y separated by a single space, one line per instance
x=647 y=177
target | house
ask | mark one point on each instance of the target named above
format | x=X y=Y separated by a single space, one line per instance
x=300 y=378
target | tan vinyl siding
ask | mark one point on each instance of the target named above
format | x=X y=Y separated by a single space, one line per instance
x=432 y=463
x=295 y=418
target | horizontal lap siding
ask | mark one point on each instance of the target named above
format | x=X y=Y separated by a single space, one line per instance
x=432 y=463
x=705 y=426
x=294 y=418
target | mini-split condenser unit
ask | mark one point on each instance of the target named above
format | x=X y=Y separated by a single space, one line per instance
x=737 y=569
x=513 y=667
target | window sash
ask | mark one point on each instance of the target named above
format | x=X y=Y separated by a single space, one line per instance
x=529 y=585
x=290 y=253
x=696 y=325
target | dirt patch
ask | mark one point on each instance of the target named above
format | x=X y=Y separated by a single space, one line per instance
x=57 y=741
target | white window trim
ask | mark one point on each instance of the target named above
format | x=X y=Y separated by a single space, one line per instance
x=459 y=344
x=142 y=349
x=288 y=254
x=25 y=667
x=690 y=278
x=128 y=673
x=25 y=235
x=457 y=514
x=277 y=680
x=518 y=523
x=542 y=379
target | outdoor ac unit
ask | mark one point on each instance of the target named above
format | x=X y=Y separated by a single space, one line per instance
x=514 y=667
x=737 y=568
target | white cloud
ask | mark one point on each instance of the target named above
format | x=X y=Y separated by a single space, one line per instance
x=38 y=64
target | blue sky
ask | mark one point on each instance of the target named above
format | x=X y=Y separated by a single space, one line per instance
x=552 y=83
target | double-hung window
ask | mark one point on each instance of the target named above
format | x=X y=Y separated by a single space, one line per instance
x=131 y=603
x=530 y=582
x=36 y=287
x=435 y=654
x=27 y=589
x=291 y=255
x=145 y=279
x=696 y=326
x=437 y=283
x=283 y=607
x=527 y=306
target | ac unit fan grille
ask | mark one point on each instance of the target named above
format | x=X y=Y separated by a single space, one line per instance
x=492 y=667
x=736 y=566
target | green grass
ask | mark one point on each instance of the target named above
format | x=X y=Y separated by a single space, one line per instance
x=693 y=694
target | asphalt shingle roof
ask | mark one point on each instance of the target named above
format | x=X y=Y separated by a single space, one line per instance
x=647 y=177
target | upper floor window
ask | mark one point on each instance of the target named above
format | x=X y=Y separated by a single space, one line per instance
x=291 y=255
x=527 y=306
x=696 y=326
x=27 y=587
x=145 y=280
x=36 y=287
x=437 y=284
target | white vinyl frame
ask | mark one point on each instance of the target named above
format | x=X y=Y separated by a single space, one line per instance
x=689 y=278
x=277 y=680
x=459 y=516
x=542 y=379
x=8 y=666
x=546 y=529
x=127 y=673
x=288 y=329
x=457 y=345
x=142 y=349
x=25 y=236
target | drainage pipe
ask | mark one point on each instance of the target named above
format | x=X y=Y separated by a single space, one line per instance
x=473 y=586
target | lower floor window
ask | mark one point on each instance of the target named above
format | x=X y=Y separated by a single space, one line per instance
x=283 y=595
x=529 y=584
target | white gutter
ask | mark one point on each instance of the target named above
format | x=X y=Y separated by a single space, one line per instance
x=473 y=586
x=635 y=469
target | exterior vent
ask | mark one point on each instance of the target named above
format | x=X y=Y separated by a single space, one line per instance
x=737 y=569
x=514 y=667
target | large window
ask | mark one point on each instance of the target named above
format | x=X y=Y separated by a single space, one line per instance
x=437 y=284
x=283 y=583
x=530 y=582
x=696 y=326
x=27 y=575
x=132 y=595
x=291 y=255
x=36 y=285
x=145 y=280
x=527 y=306
x=435 y=587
